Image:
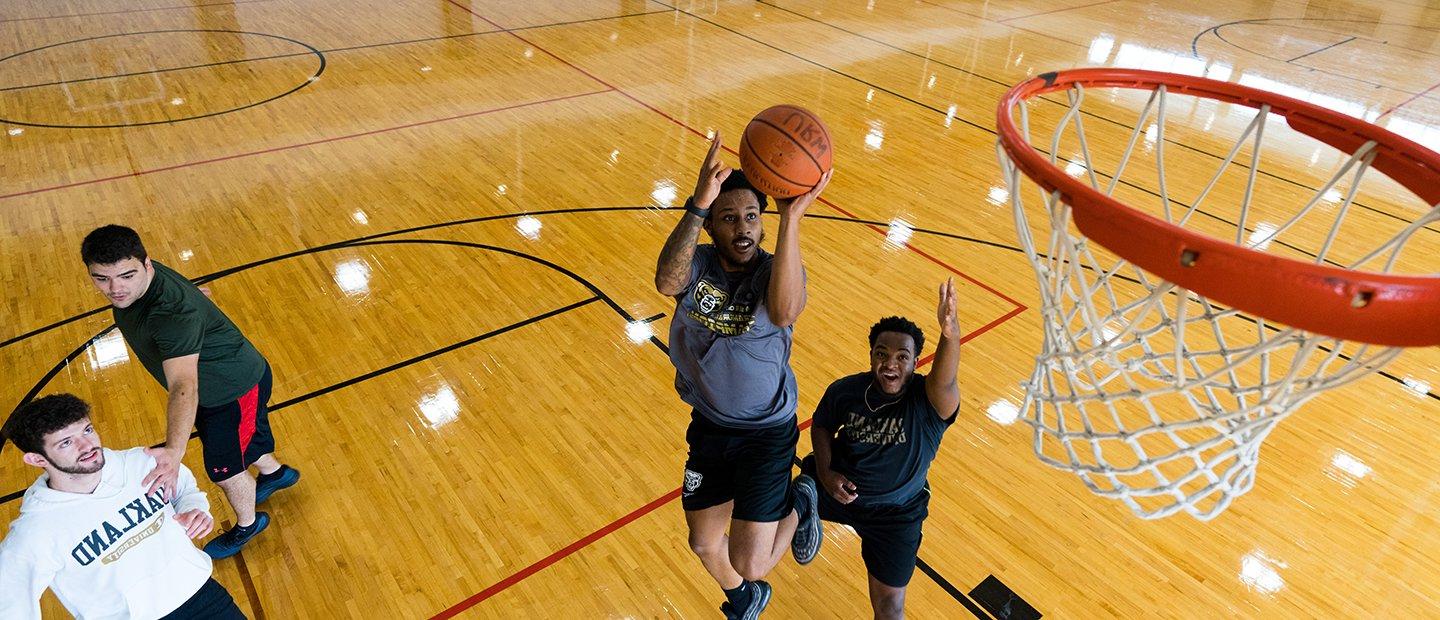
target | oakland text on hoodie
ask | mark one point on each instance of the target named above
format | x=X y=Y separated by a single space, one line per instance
x=114 y=553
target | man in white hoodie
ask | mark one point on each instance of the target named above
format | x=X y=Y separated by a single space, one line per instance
x=89 y=531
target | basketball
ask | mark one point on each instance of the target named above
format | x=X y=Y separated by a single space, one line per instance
x=784 y=150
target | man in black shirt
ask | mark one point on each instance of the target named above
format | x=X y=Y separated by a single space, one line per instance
x=875 y=434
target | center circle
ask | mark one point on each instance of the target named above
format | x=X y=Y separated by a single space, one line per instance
x=154 y=77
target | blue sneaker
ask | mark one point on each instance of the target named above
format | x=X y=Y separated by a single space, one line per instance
x=283 y=478
x=805 y=544
x=230 y=543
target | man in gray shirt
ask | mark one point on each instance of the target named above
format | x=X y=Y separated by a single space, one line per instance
x=735 y=305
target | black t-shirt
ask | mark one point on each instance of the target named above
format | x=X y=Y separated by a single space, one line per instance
x=884 y=446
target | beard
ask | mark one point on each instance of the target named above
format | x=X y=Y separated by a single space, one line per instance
x=78 y=468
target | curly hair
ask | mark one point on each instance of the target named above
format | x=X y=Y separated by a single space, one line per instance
x=29 y=425
x=899 y=325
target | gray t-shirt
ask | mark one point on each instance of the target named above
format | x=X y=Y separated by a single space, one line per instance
x=884 y=444
x=731 y=363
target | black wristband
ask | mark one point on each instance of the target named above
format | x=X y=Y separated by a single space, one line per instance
x=696 y=211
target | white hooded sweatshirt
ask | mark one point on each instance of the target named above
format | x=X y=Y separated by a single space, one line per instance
x=114 y=553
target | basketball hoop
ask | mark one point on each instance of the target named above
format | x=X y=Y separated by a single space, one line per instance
x=1170 y=354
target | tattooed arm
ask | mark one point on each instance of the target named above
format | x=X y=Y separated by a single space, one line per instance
x=672 y=271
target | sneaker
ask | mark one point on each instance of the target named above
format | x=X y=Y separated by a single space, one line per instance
x=729 y=611
x=283 y=478
x=805 y=544
x=759 y=598
x=230 y=543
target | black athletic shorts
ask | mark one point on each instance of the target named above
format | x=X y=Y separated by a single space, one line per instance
x=749 y=465
x=889 y=533
x=233 y=435
x=210 y=602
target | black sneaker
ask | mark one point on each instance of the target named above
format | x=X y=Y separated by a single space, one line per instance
x=729 y=611
x=805 y=544
x=759 y=598
x=283 y=478
x=230 y=543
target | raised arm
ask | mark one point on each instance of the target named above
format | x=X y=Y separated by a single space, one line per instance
x=672 y=270
x=941 y=385
x=785 y=298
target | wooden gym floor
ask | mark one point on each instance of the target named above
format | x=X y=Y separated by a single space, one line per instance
x=439 y=221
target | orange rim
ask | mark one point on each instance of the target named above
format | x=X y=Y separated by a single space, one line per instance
x=1378 y=308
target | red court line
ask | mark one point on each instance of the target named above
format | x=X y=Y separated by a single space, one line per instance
x=160 y=8
x=1068 y=8
x=557 y=556
x=570 y=549
x=302 y=144
x=1407 y=101
x=727 y=149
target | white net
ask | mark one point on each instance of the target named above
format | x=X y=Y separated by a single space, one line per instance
x=1150 y=393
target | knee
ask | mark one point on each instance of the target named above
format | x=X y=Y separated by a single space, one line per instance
x=889 y=605
x=750 y=569
x=707 y=548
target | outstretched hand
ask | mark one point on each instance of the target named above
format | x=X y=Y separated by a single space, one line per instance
x=949 y=323
x=795 y=207
x=712 y=173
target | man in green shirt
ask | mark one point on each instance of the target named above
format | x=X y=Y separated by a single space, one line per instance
x=218 y=382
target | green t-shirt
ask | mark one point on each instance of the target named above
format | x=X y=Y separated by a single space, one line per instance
x=174 y=319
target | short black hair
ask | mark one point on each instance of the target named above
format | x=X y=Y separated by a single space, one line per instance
x=29 y=425
x=111 y=244
x=899 y=325
x=737 y=180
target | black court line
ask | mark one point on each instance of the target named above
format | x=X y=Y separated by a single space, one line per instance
x=295 y=54
x=1282 y=22
x=1327 y=47
x=598 y=295
x=654 y=339
x=162 y=8
x=955 y=592
x=475 y=220
x=992 y=132
x=311 y=51
x=1240 y=165
x=9 y=497
x=425 y=356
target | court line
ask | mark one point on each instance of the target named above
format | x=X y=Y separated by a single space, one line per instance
x=630 y=517
x=246 y=581
x=1006 y=85
x=162 y=8
x=290 y=55
x=1002 y=23
x=595 y=290
x=435 y=353
x=1277 y=22
x=319 y=70
x=990 y=131
x=474 y=220
x=299 y=145
x=1327 y=47
x=697 y=132
x=1069 y=8
x=1407 y=101
x=955 y=592
x=558 y=555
